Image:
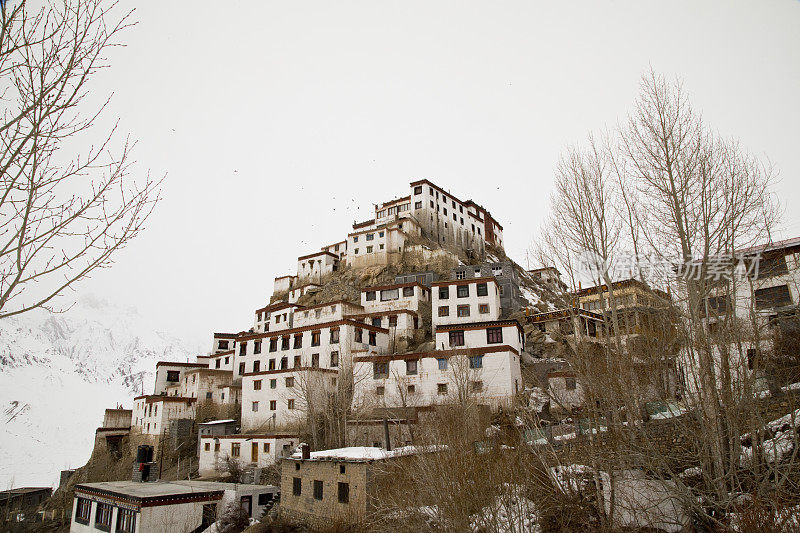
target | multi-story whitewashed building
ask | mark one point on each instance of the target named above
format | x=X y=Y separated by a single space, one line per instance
x=427 y=211
x=744 y=313
x=476 y=356
x=169 y=374
x=153 y=414
x=465 y=300
x=284 y=371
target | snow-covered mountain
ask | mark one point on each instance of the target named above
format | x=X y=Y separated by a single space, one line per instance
x=59 y=372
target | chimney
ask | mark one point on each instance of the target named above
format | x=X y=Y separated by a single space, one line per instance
x=386 y=434
x=305 y=451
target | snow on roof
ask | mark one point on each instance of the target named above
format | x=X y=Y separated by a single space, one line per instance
x=228 y=421
x=365 y=453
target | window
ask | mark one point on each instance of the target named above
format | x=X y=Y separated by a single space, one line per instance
x=216 y=447
x=461 y=274
x=334 y=359
x=444 y=293
x=290 y=403
x=285 y=342
x=257 y=384
x=207 y=447
x=209 y=395
x=256 y=366
x=255 y=407
x=476 y=361
x=273 y=384
x=390 y=294
x=380 y=234
x=334 y=336
x=778 y=296
x=457 y=337
x=297 y=487
x=271 y=364
x=356 y=251
x=83 y=511
x=370 y=296
x=227 y=360
x=477 y=386
x=483 y=309
x=380 y=390
x=289 y=382
x=173 y=375
x=441 y=389
x=373 y=338
x=411 y=367
x=462 y=310
x=462 y=291
x=412 y=389
x=257 y=347
x=444 y=310
x=243 y=348
x=569 y=383
x=418 y=189
x=355 y=238
x=298 y=340
x=273 y=405
x=341 y=469
x=264 y=498
x=380 y=370
x=317 y=489
x=219 y=361
x=772 y=266
x=296 y=361
x=417 y=205
x=315 y=337
x=266 y=447
x=494 y=335
x=370 y=236
x=497 y=271
x=102 y=516
x=717 y=305
x=483 y=289
x=369 y=249
x=314 y=360
x=431 y=205
x=408 y=291
x=359 y=333
x=236 y=448
x=393 y=321
x=344 y=492
x=376 y=322
x=442 y=363
x=223 y=345
x=126 y=520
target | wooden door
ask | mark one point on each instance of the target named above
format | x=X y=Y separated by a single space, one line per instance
x=254 y=452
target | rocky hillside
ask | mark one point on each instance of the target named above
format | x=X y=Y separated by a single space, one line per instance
x=58 y=372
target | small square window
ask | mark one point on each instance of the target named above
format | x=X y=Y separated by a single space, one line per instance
x=444 y=310
x=380 y=390
x=441 y=389
x=442 y=363
x=462 y=291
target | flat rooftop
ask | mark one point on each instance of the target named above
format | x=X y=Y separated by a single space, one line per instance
x=158 y=489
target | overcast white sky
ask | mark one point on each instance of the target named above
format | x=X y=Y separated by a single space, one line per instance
x=280 y=123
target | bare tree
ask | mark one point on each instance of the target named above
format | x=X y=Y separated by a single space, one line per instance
x=67 y=203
